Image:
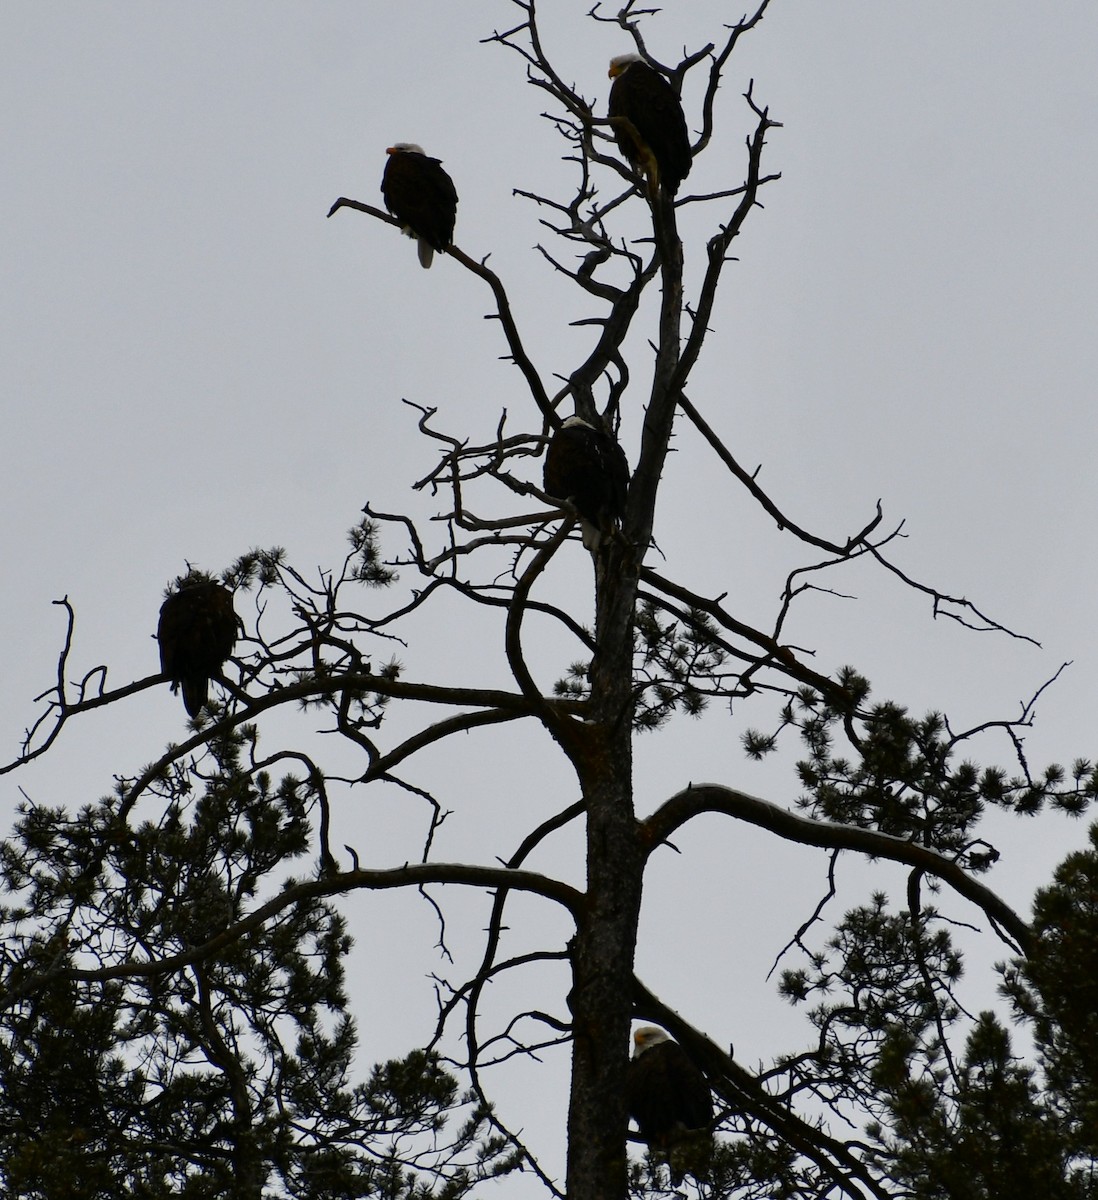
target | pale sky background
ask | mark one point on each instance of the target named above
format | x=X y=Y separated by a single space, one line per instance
x=193 y=361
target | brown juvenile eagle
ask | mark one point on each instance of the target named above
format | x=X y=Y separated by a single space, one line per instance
x=197 y=632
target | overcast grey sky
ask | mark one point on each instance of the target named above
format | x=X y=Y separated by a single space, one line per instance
x=193 y=361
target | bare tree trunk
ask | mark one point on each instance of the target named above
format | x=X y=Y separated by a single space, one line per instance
x=602 y=955
x=603 y=951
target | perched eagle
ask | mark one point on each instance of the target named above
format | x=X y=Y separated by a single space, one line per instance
x=421 y=196
x=197 y=632
x=667 y=1094
x=648 y=123
x=586 y=466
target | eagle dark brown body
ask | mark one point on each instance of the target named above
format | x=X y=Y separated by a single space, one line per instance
x=197 y=633
x=669 y=1098
x=667 y=1093
x=586 y=466
x=422 y=197
x=648 y=123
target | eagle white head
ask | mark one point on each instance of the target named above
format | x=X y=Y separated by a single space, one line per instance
x=618 y=64
x=646 y=1037
x=404 y=148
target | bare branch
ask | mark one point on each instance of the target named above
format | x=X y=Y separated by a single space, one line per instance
x=712 y=797
x=503 y=313
x=942 y=600
x=781 y=656
x=764 y=500
x=360 y=879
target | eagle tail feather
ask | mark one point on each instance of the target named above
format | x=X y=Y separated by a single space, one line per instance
x=196 y=692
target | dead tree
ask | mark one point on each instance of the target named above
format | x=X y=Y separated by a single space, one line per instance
x=656 y=646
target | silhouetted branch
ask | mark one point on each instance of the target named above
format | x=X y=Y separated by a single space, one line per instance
x=719 y=243
x=781 y=657
x=503 y=305
x=942 y=599
x=360 y=879
x=712 y=797
x=784 y=523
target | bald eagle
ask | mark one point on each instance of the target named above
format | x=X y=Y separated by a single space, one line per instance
x=421 y=196
x=648 y=123
x=667 y=1095
x=197 y=632
x=586 y=466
